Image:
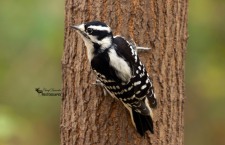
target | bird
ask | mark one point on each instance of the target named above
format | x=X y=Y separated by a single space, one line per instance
x=118 y=68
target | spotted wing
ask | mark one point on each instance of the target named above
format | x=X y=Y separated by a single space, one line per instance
x=141 y=82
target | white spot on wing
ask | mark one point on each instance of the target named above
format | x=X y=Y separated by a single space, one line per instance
x=132 y=97
x=123 y=83
x=143 y=87
x=135 y=57
x=130 y=88
x=139 y=67
x=137 y=83
x=138 y=92
x=137 y=110
x=141 y=75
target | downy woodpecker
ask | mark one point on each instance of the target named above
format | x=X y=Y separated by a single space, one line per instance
x=119 y=69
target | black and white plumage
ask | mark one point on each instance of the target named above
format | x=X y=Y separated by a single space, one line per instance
x=118 y=67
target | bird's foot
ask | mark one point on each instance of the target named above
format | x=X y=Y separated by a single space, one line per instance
x=99 y=83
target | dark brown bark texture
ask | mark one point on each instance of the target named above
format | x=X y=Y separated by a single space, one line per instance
x=87 y=116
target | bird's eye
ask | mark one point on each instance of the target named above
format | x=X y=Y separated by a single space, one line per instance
x=89 y=30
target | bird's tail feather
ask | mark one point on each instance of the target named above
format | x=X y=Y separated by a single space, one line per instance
x=142 y=122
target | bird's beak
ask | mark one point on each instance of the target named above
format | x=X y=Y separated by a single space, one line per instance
x=78 y=27
x=81 y=30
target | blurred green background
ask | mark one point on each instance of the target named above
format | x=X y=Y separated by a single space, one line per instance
x=205 y=74
x=31 y=44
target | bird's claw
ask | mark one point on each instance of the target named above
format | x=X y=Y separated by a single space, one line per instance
x=99 y=83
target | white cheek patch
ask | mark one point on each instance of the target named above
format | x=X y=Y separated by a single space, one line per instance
x=106 y=42
x=93 y=38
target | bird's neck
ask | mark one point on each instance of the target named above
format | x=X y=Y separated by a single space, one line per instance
x=98 y=47
x=105 y=42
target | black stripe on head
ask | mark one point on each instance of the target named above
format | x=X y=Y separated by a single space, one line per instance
x=100 y=34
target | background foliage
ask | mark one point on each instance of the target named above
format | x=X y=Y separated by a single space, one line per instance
x=205 y=70
x=31 y=44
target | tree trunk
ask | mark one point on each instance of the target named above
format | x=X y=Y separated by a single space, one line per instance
x=87 y=116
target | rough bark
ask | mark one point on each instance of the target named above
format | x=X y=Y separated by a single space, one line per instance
x=87 y=116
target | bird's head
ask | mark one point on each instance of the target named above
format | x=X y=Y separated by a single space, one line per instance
x=95 y=33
